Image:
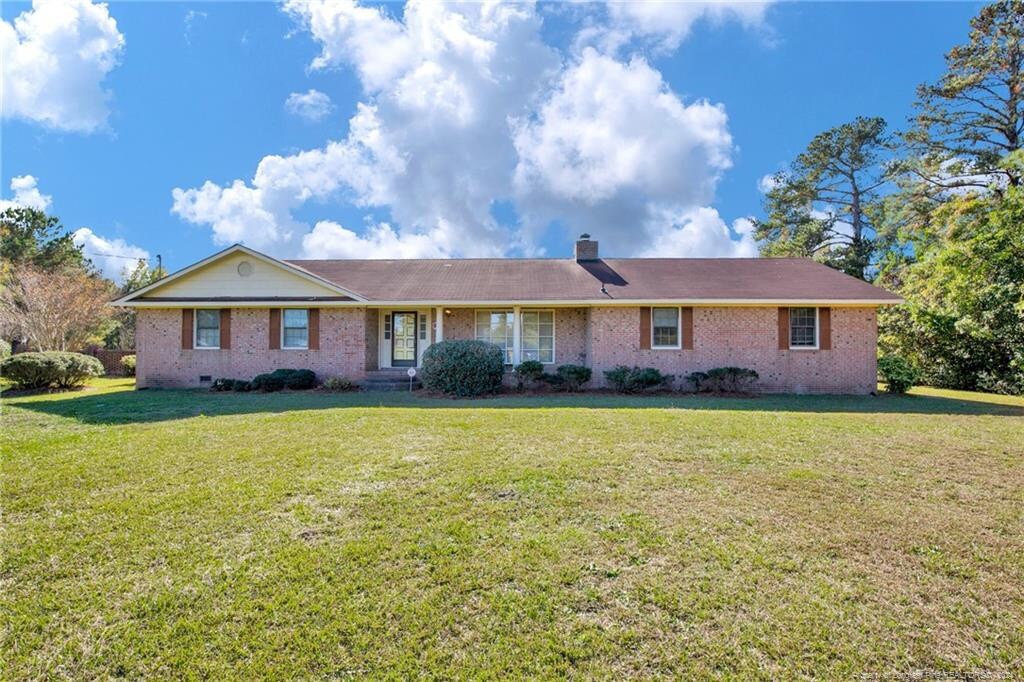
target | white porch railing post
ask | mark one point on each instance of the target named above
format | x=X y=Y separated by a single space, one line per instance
x=439 y=324
x=517 y=335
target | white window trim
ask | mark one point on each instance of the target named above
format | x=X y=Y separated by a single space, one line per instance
x=554 y=334
x=817 y=330
x=284 y=347
x=491 y=311
x=679 y=328
x=195 y=330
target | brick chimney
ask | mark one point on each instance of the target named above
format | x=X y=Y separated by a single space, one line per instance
x=586 y=248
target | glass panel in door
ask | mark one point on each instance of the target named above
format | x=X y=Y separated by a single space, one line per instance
x=403 y=340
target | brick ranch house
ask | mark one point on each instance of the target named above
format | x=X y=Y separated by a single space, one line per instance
x=803 y=326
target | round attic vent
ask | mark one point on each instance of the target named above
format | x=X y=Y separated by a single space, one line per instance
x=245 y=268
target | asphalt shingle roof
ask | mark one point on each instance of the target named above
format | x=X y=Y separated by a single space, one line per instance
x=641 y=279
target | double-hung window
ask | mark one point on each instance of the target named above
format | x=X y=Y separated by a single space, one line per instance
x=665 y=331
x=495 y=326
x=538 y=335
x=803 y=328
x=295 y=328
x=207 y=329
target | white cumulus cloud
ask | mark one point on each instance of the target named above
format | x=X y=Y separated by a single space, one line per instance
x=465 y=105
x=330 y=240
x=663 y=25
x=613 y=151
x=26 y=195
x=312 y=105
x=700 y=233
x=431 y=143
x=611 y=127
x=115 y=258
x=55 y=59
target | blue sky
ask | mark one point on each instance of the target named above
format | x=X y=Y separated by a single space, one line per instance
x=435 y=132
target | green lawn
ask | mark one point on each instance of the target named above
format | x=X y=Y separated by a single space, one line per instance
x=189 y=534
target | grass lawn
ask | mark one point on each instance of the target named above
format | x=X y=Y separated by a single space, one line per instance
x=191 y=534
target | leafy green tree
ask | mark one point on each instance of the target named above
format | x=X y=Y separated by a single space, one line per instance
x=822 y=206
x=141 y=276
x=964 y=324
x=29 y=236
x=974 y=115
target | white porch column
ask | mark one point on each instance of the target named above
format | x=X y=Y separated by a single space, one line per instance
x=438 y=325
x=517 y=335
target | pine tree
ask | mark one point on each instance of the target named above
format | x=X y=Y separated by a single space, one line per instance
x=822 y=206
x=974 y=115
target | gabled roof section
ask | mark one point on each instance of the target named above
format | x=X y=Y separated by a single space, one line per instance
x=319 y=287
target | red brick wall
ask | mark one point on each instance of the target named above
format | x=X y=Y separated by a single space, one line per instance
x=372 y=339
x=162 y=362
x=746 y=337
x=571 y=336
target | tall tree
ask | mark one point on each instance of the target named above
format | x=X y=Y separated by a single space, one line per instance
x=30 y=236
x=54 y=310
x=964 y=324
x=822 y=206
x=974 y=115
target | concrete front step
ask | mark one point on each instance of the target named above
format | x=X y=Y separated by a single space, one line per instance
x=388 y=380
x=379 y=385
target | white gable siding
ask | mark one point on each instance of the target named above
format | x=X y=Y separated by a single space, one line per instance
x=221 y=278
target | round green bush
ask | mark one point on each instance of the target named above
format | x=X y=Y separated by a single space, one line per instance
x=574 y=376
x=529 y=372
x=296 y=379
x=50 y=369
x=267 y=382
x=729 y=379
x=220 y=385
x=5 y=350
x=637 y=379
x=463 y=368
x=128 y=364
x=897 y=373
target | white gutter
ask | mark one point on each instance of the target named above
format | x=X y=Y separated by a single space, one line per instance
x=618 y=302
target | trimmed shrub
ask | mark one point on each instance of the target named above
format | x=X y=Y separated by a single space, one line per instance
x=729 y=379
x=295 y=379
x=637 y=379
x=267 y=383
x=897 y=373
x=219 y=385
x=555 y=381
x=529 y=372
x=574 y=376
x=463 y=368
x=5 y=350
x=128 y=365
x=339 y=385
x=47 y=369
x=238 y=385
x=698 y=380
